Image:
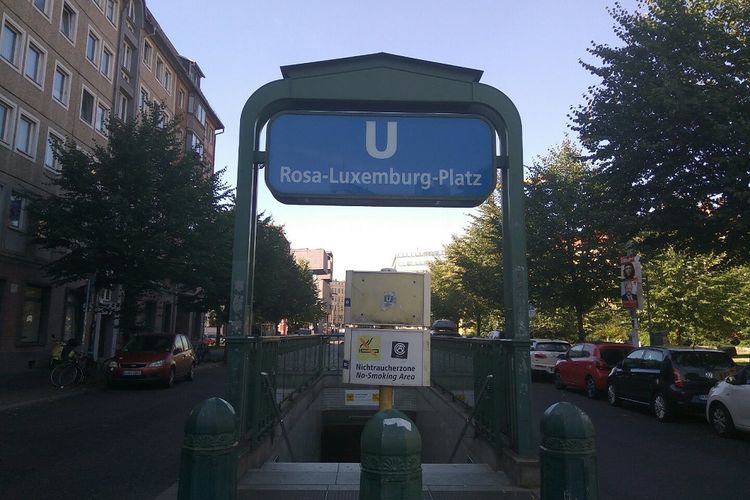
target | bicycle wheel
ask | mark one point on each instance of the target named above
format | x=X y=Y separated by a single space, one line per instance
x=64 y=374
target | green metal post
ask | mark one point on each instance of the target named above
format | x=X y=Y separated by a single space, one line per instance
x=208 y=462
x=516 y=286
x=567 y=454
x=391 y=458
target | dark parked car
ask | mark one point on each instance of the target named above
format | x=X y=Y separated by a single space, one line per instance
x=669 y=379
x=444 y=327
x=159 y=358
x=587 y=366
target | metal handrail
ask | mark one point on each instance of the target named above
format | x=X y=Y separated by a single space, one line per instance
x=277 y=410
x=487 y=380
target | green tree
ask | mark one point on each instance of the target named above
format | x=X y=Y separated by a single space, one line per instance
x=572 y=244
x=210 y=272
x=668 y=125
x=468 y=283
x=698 y=299
x=127 y=212
x=283 y=288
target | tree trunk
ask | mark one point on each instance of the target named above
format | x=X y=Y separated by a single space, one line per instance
x=579 y=322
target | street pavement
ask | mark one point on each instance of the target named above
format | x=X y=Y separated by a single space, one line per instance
x=87 y=442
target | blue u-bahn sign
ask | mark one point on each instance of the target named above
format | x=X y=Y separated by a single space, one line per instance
x=380 y=159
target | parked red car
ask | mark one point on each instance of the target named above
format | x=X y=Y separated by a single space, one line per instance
x=586 y=366
x=159 y=358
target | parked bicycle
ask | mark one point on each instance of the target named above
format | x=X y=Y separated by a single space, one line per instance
x=72 y=371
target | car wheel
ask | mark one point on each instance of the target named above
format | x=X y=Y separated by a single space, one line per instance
x=190 y=375
x=721 y=420
x=662 y=409
x=170 y=379
x=558 y=381
x=591 y=390
x=612 y=397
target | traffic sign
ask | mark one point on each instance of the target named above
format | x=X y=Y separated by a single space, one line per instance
x=380 y=159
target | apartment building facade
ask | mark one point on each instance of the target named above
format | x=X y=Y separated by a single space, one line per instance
x=338 y=294
x=320 y=262
x=65 y=66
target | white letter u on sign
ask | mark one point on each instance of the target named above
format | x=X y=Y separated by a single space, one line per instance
x=371 y=142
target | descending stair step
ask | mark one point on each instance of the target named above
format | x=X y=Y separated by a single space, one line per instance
x=340 y=481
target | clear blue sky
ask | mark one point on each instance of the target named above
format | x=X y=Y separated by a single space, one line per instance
x=527 y=49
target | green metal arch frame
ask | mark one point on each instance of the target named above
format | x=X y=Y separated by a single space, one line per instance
x=382 y=83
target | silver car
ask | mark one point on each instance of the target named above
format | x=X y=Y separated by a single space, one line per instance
x=544 y=355
x=728 y=407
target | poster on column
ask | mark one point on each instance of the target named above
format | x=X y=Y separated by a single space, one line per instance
x=386 y=357
x=631 y=289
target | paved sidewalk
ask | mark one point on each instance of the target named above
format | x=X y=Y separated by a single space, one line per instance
x=33 y=386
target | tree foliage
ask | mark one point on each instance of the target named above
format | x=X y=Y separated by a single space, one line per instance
x=572 y=245
x=698 y=299
x=669 y=123
x=283 y=288
x=468 y=283
x=127 y=212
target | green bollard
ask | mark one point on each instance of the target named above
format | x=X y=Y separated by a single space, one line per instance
x=208 y=462
x=391 y=458
x=567 y=455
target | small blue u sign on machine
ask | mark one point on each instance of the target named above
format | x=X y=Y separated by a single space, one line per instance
x=389 y=300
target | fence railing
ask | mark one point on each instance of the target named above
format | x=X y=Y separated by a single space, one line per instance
x=291 y=364
x=461 y=367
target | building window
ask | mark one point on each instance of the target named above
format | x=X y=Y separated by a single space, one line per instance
x=61 y=85
x=159 y=68
x=6 y=122
x=198 y=110
x=150 y=316
x=31 y=322
x=74 y=313
x=50 y=160
x=87 y=106
x=17 y=211
x=110 y=11
x=102 y=112
x=145 y=99
x=167 y=81
x=166 y=319
x=105 y=64
x=26 y=135
x=131 y=10
x=10 y=44
x=68 y=22
x=193 y=142
x=43 y=6
x=147 y=53
x=34 y=69
x=124 y=107
x=127 y=56
x=180 y=99
x=92 y=47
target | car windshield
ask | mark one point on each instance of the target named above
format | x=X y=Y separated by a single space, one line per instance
x=552 y=347
x=149 y=343
x=613 y=356
x=702 y=359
